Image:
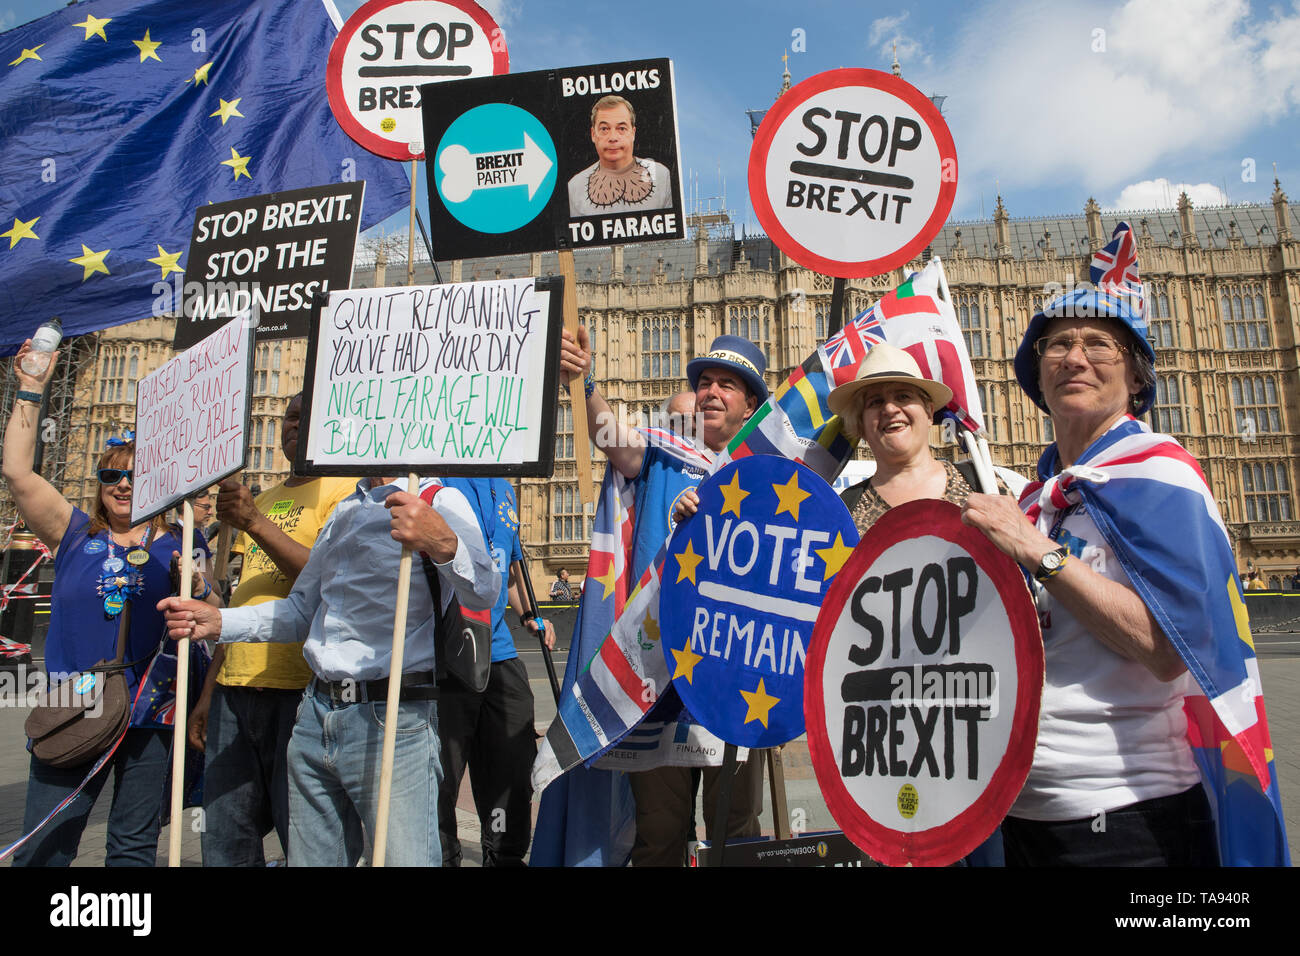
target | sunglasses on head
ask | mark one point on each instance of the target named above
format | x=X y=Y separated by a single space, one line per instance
x=111 y=476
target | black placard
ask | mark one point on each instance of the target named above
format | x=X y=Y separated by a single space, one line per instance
x=511 y=160
x=268 y=254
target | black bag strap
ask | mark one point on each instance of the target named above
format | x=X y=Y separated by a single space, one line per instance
x=967 y=469
x=852 y=495
x=435 y=589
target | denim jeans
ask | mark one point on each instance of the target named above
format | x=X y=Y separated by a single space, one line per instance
x=246 y=779
x=334 y=762
x=139 y=770
x=1168 y=831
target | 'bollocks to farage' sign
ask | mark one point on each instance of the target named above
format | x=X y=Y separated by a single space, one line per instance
x=191 y=416
x=450 y=380
x=268 y=255
x=741 y=587
x=519 y=163
x=923 y=688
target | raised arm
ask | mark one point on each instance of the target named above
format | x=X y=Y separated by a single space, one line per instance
x=43 y=509
x=623 y=446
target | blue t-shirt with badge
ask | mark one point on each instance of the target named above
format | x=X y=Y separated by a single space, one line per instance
x=81 y=632
x=493 y=501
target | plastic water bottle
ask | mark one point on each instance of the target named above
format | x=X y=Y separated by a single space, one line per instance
x=44 y=342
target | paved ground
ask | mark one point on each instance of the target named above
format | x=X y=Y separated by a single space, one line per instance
x=1279 y=656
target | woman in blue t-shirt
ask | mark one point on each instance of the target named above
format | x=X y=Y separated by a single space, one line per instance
x=91 y=552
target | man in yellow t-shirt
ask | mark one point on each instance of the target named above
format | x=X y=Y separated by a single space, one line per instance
x=245 y=712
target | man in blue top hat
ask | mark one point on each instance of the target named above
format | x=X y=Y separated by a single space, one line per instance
x=729 y=386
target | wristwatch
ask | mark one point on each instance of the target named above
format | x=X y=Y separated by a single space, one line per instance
x=1051 y=565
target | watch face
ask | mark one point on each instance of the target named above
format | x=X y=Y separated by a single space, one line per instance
x=1052 y=560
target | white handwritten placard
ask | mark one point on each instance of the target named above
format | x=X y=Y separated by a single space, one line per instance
x=454 y=379
x=191 y=416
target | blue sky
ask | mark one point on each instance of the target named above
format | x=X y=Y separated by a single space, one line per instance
x=1050 y=103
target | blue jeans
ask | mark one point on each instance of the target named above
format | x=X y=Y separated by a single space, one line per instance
x=246 y=778
x=334 y=760
x=139 y=770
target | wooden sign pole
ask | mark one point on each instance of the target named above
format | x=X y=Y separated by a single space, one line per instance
x=394 y=692
x=581 y=439
x=182 y=692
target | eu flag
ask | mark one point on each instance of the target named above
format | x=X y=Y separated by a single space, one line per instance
x=118 y=118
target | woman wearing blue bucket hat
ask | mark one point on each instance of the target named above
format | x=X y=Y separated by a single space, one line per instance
x=1114 y=781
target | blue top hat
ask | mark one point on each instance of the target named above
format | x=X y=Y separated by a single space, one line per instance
x=734 y=354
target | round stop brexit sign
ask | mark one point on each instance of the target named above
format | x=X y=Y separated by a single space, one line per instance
x=922 y=688
x=388 y=49
x=852 y=172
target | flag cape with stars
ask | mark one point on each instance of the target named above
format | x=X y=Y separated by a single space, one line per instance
x=606 y=699
x=119 y=118
x=1181 y=565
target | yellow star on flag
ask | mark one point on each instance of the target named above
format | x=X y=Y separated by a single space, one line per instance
x=790 y=495
x=606 y=581
x=686 y=660
x=238 y=163
x=167 y=261
x=733 y=495
x=686 y=562
x=90 y=261
x=21 y=230
x=94 y=26
x=147 y=47
x=201 y=75
x=834 y=555
x=650 y=627
x=27 y=55
x=227 y=109
x=759 y=703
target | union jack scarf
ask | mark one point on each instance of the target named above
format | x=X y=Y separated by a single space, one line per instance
x=1151 y=503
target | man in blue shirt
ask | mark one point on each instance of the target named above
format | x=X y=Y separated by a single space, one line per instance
x=342 y=605
x=492 y=732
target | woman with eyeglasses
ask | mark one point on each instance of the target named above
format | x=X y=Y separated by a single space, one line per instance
x=1114 y=780
x=101 y=560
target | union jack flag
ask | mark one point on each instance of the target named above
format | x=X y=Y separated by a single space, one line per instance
x=1181 y=565
x=1114 y=267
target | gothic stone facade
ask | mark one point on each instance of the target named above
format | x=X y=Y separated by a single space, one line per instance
x=1223 y=295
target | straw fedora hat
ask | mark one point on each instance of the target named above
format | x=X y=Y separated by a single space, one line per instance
x=883 y=364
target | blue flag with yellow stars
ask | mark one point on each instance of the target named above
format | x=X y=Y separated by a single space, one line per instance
x=118 y=118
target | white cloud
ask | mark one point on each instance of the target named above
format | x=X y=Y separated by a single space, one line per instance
x=885 y=27
x=7 y=20
x=1162 y=194
x=885 y=32
x=504 y=12
x=1095 y=96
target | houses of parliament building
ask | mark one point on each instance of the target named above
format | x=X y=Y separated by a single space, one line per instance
x=1223 y=305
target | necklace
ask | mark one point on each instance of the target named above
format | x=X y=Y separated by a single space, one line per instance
x=116 y=583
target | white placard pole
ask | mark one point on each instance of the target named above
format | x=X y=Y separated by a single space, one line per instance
x=394 y=691
x=182 y=686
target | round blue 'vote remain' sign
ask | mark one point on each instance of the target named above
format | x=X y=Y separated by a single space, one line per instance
x=740 y=590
